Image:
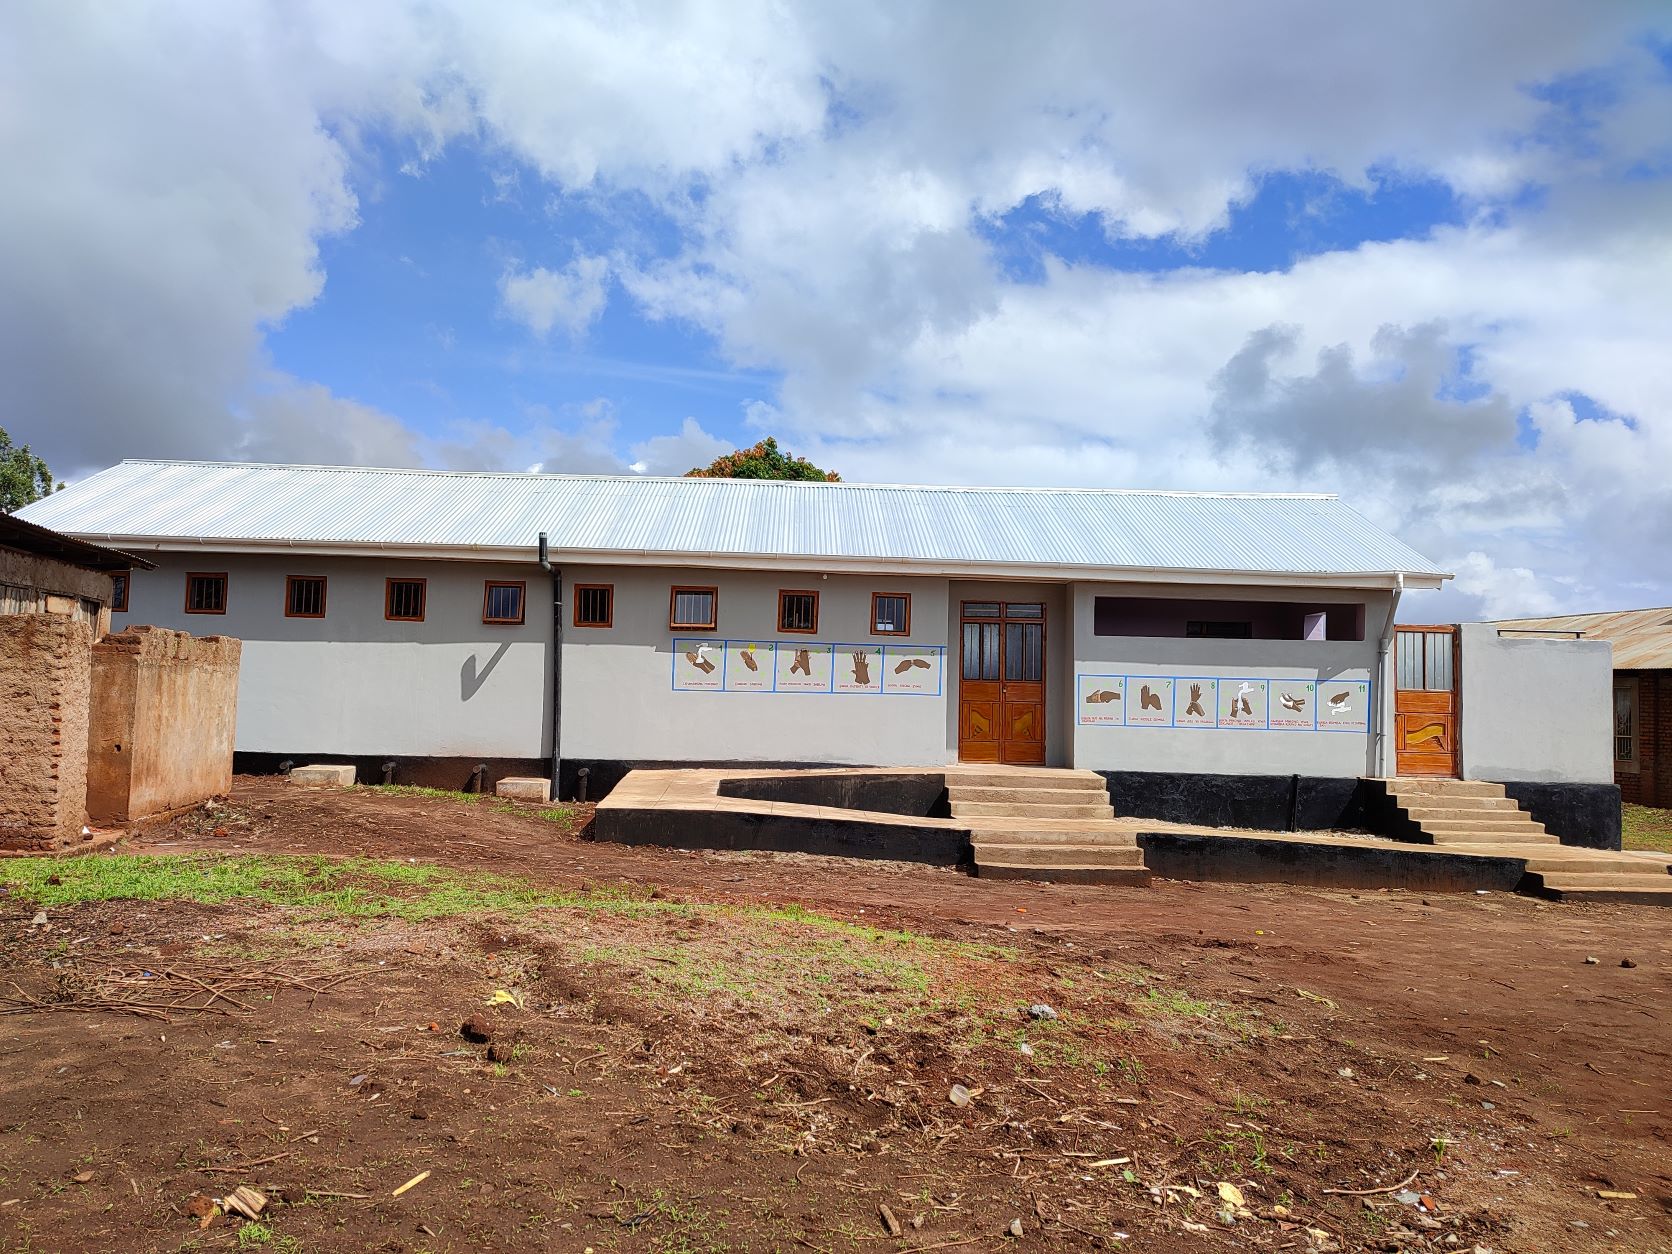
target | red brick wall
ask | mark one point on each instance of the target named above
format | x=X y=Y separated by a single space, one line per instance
x=1651 y=783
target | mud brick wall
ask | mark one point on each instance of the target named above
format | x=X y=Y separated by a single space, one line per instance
x=30 y=584
x=165 y=706
x=45 y=684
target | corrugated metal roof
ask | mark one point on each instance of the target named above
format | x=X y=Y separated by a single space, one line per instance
x=1078 y=529
x=27 y=537
x=1642 y=639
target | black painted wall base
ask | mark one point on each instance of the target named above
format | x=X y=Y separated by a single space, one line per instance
x=726 y=829
x=1270 y=803
x=1577 y=814
x=605 y=773
x=1259 y=860
x=916 y=794
x=451 y=773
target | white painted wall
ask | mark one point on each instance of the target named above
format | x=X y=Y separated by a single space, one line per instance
x=1536 y=710
x=619 y=701
x=1221 y=751
x=352 y=683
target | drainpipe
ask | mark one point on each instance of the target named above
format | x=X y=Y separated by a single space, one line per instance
x=557 y=663
x=1383 y=646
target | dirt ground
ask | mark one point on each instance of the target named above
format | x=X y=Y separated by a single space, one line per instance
x=760 y=1052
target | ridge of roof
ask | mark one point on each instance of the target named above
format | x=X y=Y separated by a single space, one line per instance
x=1552 y=618
x=793 y=483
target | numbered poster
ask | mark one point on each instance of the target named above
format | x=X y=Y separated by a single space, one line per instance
x=1294 y=705
x=911 y=669
x=698 y=665
x=858 y=668
x=749 y=665
x=804 y=668
x=1195 y=703
x=1344 y=705
x=1102 y=700
x=1242 y=703
x=1149 y=701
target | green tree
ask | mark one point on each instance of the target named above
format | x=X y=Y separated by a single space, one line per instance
x=23 y=476
x=764 y=461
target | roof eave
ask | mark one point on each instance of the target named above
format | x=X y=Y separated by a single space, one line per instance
x=1021 y=571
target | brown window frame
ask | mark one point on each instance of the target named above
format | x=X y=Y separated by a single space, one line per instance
x=389 y=596
x=713 y=591
x=798 y=592
x=521 y=585
x=904 y=596
x=290 y=580
x=119 y=605
x=609 y=620
x=207 y=574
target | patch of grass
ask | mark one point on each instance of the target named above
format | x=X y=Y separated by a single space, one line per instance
x=551 y=814
x=418 y=790
x=318 y=886
x=1646 y=827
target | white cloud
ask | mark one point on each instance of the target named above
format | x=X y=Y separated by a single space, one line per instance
x=675 y=454
x=570 y=299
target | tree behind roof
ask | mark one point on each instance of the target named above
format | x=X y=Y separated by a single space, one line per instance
x=23 y=476
x=763 y=461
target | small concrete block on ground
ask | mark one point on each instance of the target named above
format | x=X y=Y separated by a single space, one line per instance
x=323 y=776
x=524 y=788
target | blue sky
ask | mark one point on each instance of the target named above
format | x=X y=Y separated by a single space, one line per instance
x=1288 y=248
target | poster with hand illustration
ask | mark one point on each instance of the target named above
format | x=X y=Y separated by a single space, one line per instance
x=1344 y=705
x=698 y=665
x=1102 y=700
x=1149 y=701
x=1196 y=703
x=1242 y=703
x=804 y=668
x=911 y=669
x=749 y=665
x=858 y=668
x=1294 y=705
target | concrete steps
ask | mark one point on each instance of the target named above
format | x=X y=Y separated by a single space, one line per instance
x=1480 y=817
x=1457 y=812
x=1044 y=825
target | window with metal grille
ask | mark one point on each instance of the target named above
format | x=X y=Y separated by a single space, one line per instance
x=798 y=611
x=891 y=614
x=594 y=605
x=403 y=600
x=119 y=593
x=502 y=601
x=1625 y=724
x=206 y=594
x=304 y=596
x=693 y=608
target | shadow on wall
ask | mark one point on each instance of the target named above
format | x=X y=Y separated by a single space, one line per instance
x=471 y=680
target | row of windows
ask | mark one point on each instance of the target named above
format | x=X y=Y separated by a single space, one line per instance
x=404 y=600
x=698 y=609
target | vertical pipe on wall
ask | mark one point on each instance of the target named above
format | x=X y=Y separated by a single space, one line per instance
x=1384 y=692
x=557 y=665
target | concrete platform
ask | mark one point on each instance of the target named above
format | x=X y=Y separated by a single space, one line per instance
x=524 y=788
x=323 y=776
x=688 y=809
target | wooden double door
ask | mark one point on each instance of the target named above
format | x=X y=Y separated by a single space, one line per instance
x=1425 y=701
x=1001 y=686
